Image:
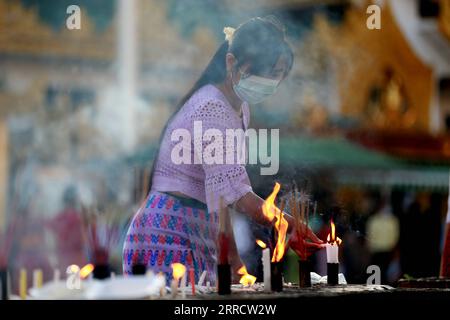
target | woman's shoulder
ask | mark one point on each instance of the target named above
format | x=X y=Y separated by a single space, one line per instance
x=208 y=102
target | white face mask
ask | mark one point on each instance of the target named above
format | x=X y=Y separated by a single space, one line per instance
x=254 y=89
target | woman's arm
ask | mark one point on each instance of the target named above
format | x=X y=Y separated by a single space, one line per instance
x=252 y=204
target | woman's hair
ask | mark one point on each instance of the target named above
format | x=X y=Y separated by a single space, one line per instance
x=259 y=42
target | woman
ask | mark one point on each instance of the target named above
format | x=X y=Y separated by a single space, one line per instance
x=178 y=222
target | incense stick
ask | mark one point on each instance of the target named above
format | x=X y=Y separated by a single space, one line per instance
x=102 y=230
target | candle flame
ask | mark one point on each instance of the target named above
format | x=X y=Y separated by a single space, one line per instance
x=271 y=211
x=331 y=238
x=86 y=270
x=246 y=279
x=178 y=270
x=261 y=243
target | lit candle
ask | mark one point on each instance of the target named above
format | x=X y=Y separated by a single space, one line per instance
x=183 y=285
x=178 y=271
x=332 y=253
x=37 y=278
x=174 y=287
x=279 y=231
x=23 y=284
x=266 y=269
x=332 y=248
x=266 y=265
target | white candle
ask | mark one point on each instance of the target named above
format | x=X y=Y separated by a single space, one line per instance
x=174 y=287
x=162 y=280
x=183 y=285
x=266 y=269
x=202 y=278
x=332 y=253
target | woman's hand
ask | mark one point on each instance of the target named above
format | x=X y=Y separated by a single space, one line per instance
x=304 y=242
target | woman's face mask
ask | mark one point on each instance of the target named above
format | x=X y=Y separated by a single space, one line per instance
x=255 y=89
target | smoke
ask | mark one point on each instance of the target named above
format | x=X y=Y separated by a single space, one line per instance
x=87 y=118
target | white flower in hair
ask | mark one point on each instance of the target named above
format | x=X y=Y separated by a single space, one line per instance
x=229 y=32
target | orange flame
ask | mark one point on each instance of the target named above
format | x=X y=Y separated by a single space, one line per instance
x=178 y=270
x=86 y=270
x=269 y=208
x=271 y=211
x=261 y=243
x=331 y=238
x=246 y=279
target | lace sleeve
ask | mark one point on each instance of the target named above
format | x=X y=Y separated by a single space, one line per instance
x=225 y=176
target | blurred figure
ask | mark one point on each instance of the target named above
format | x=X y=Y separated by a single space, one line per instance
x=383 y=234
x=67 y=228
x=31 y=251
x=355 y=257
x=420 y=236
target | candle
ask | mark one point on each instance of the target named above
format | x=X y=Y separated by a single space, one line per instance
x=178 y=270
x=332 y=248
x=139 y=269
x=4 y=284
x=223 y=266
x=23 y=284
x=265 y=259
x=202 y=278
x=332 y=253
x=161 y=278
x=174 y=287
x=192 y=280
x=266 y=268
x=37 y=278
x=304 y=273
x=183 y=285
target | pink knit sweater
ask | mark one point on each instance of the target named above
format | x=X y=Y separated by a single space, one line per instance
x=204 y=182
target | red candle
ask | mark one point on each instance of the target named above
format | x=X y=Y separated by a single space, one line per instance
x=192 y=280
x=223 y=248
